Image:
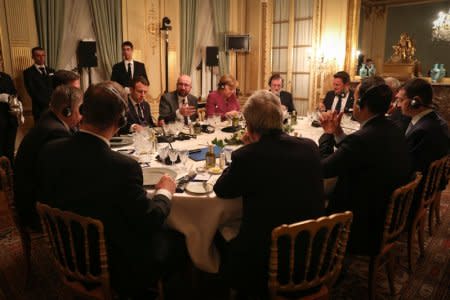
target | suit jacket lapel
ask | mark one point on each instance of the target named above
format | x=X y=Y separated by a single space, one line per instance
x=133 y=112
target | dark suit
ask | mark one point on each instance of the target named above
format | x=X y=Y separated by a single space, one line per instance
x=280 y=180
x=286 y=100
x=133 y=116
x=428 y=140
x=329 y=98
x=48 y=128
x=40 y=89
x=8 y=122
x=120 y=75
x=168 y=105
x=369 y=164
x=82 y=174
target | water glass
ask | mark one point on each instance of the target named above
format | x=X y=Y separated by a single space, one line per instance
x=184 y=155
x=173 y=155
x=228 y=151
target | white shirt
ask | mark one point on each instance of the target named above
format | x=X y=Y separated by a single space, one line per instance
x=182 y=101
x=126 y=62
x=343 y=102
x=420 y=115
x=41 y=66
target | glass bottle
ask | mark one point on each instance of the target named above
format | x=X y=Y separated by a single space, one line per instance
x=294 y=117
x=210 y=157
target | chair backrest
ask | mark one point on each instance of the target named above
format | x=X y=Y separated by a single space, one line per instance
x=306 y=254
x=397 y=211
x=6 y=180
x=78 y=247
x=433 y=181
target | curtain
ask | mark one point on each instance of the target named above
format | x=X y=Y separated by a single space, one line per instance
x=221 y=13
x=78 y=24
x=50 y=27
x=107 y=20
x=188 y=23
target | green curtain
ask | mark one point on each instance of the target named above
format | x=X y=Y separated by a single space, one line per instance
x=50 y=27
x=188 y=24
x=107 y=21
x=221 y=13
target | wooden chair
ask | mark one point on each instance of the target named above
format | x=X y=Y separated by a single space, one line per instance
x=435 y=206
x=428 y=195
x=314 y=256
x=396 y=218
x=25 y=234
x=79 y=251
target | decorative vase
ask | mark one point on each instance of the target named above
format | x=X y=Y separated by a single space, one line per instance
x=442 y=72
x=435 y=73
x=372 y=70
x=363 y=71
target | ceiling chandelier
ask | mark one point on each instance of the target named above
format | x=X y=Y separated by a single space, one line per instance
x=441 y=27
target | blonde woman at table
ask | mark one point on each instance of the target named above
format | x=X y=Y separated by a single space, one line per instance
x=224 y=101
x=280 y=181
x=82 y=174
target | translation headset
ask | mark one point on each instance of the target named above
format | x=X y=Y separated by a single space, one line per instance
x=372 y=93
x=122 y=121
x=221 y=85
x=416 y=102
x=67 y=111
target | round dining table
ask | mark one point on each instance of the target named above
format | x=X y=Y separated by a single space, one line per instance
x=200 y=216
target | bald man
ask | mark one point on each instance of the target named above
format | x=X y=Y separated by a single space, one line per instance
x=180 y=104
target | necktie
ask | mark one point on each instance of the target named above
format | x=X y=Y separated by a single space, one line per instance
x=129 y=71
x=140 y=112
x=42 y=69
x=338 y=104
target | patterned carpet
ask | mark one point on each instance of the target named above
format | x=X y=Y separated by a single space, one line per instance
x=430 y=281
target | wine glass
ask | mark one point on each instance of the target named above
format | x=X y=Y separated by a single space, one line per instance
x=173 y=155
x=228 y=151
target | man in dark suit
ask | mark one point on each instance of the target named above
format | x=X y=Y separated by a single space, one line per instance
x=276 y=84
x=58 y=122
x=124 y=71
x=280 y=181
x=341 y=97
x=369 y=163
x=179 y=104
x=139 y=115
x=8 y=122
x=38 y=82
x=427 y=133
x=82 y=174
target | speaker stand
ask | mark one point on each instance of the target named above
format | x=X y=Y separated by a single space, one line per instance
x=211 y=68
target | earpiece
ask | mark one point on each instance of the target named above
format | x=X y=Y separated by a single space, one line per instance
x=67 y=111
x=415 y=102
x=221 y=85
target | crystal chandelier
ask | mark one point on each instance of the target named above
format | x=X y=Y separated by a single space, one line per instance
x=441 y=27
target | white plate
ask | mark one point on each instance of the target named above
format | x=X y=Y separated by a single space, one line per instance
x=199 y=187
x=153 y=175
x=121 y=141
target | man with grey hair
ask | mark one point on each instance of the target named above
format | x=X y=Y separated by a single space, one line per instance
x=58 y=122
x=280 y=181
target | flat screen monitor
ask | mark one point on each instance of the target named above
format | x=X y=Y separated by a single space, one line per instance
x=237 y=42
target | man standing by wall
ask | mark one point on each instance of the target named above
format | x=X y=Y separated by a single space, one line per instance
x=124 y=71
x=38 y=82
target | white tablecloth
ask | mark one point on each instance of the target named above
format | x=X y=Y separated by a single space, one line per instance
x=199 y=217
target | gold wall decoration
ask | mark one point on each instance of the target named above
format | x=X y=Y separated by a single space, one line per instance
x=153 y=28
x=404 y=50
